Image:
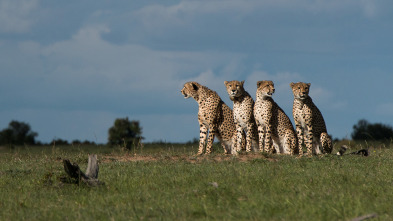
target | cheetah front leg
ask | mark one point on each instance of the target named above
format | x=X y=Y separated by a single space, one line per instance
x=290 y=144
x=202 y=138
x=326 y=142
x=251 y=136
x=268 y=139
x=261 y=134
x=233 y=147
x=309 y=140
x=300 y=137
x=239 y=137
x=224 y=147
x=210 y=139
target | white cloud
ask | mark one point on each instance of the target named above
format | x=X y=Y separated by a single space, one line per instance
x=369 y=8
x=87 y=57
x=179 y=14
x=320 y=93
x=86 y=72
x=16 y=15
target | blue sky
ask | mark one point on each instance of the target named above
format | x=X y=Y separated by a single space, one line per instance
x=70 y=68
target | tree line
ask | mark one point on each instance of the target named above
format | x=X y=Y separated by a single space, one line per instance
x=123 y=133
x=127 y=134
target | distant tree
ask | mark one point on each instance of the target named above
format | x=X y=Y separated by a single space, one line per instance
x=76 y=142
x=363 y=130
x=125 y=133
x=59 y=141
x=193 y=141
x=86 y=142
x=18 y=133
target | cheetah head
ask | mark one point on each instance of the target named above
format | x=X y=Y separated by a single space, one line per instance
x=300 y=90
x=190 y=89
x=234 y=88
x=266 y=88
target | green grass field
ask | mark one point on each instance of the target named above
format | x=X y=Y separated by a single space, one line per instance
x=167 y=182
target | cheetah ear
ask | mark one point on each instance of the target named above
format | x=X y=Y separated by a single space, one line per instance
x=292 y=84
x=226 y=82
x=242 y=83
x=194 y=86
x=308 y=84
x=259 y=83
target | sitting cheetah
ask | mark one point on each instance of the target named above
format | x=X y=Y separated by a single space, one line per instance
x=213 y=115
x=274 y=127
x=309 y=121
x=243 y=106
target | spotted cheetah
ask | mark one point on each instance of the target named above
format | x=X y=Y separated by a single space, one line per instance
x=213 y=116
x=275 y=130
x=243 y=106
x=310 y=125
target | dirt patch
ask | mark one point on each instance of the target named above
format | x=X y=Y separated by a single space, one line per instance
x=185 y=158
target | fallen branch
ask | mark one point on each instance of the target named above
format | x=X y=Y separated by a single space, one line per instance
x=90 y=177
x=369 y=216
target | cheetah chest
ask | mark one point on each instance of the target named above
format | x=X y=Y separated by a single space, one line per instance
x=242 y=114
x=263 y=112
x=303 y=115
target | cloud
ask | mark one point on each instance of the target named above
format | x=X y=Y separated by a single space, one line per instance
x=17 y=16
x=84 y=82
x=88 y=57
x=257 y=26
x=182 y=12
x=369 y=8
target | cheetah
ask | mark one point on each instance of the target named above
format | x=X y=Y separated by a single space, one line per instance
x=310 y=125
x=243 y=106
x=275 y=129
x=213 y=116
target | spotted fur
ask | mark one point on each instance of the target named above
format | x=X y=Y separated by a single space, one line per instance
x=243 y=108
x=214 y=116
x=310 y=125
x=276 y=133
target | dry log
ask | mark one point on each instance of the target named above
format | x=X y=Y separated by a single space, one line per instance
x=90 y=177
x=369 y=216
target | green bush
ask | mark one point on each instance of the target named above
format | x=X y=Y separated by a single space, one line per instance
x=125 y=133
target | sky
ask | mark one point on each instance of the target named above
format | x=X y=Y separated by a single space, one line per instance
x=70 y=68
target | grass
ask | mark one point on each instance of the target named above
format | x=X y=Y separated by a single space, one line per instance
x=170 y=183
